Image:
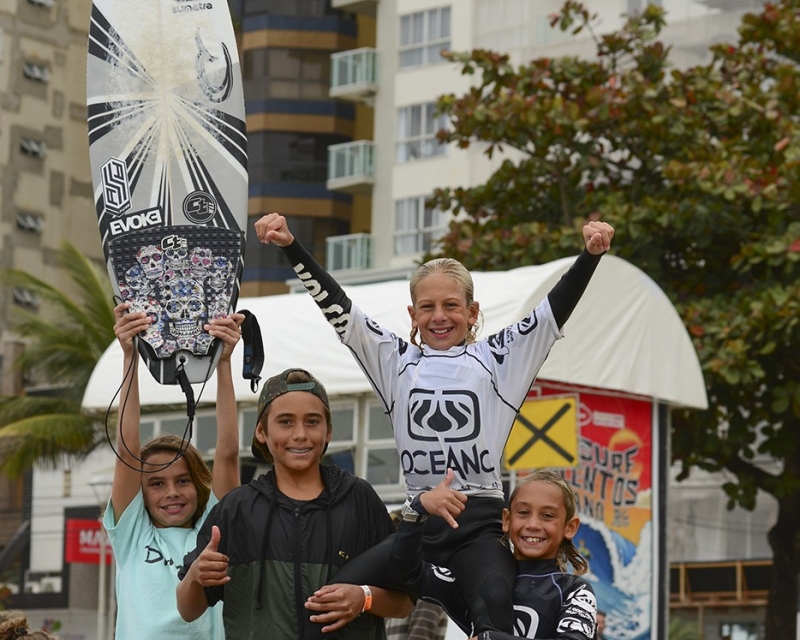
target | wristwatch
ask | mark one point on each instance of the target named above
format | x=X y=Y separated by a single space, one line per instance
x=413 y=511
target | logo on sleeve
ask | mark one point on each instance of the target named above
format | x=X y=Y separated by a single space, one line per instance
x=498 y=342
x=442 y=573
x=579 y=613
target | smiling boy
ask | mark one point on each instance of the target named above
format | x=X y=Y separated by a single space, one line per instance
x=269 y=547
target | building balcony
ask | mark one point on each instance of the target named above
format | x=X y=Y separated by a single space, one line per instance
x=367 y=7
x=351 y=167
x=348 y=252
x=354 y=75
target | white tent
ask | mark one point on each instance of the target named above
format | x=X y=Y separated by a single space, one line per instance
x=624 y=336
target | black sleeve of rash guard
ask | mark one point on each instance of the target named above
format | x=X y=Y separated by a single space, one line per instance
x=327 y=293
x=564 y=296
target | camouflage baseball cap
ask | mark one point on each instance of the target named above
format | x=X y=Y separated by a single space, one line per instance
x=277 y=386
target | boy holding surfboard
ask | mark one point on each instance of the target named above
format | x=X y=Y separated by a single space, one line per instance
x=161 y=494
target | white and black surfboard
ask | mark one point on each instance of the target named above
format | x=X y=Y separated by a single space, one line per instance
x=168 y=151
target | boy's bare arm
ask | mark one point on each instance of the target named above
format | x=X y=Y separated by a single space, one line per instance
x=127 y=475
x=225 y=475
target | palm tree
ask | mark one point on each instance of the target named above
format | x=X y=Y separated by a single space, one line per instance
x=65 y=342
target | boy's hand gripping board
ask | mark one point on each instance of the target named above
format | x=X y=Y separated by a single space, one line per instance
x=168 y=152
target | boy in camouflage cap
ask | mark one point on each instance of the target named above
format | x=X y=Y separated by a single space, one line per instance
x=270 y=549
x=277 y=386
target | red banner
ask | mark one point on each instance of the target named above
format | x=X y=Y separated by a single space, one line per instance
x=83 y=541
x=617 y=489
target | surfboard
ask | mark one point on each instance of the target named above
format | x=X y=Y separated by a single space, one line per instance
x=168 y=154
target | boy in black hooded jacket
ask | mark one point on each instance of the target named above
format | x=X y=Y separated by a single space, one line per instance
x=270 y=546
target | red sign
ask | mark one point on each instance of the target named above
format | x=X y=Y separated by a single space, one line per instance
x=613 y=477
x=616 y=479
x=83 y=542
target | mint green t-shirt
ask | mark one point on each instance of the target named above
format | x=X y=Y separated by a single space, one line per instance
x=148 y=559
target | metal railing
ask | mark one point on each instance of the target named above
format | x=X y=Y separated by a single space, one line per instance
x=351 y=159
x=353 y=251
x=356 y=68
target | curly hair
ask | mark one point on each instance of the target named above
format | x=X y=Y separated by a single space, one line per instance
x=14 y=626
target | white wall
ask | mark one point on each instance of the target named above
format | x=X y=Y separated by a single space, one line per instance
x=54 y=491
x=702 y=529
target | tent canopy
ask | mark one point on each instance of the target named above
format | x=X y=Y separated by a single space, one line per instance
x=624 y=336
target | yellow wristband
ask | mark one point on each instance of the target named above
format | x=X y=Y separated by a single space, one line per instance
x=367 y=598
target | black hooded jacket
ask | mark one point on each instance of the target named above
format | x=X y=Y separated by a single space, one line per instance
x=281 y=550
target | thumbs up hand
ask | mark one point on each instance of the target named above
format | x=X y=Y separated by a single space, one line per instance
x=211 y=567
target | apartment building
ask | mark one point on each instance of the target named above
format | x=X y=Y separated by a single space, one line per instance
x=44 y=152
x=45 y=189
x=292 y=120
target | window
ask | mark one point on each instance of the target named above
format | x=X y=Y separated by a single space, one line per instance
x=176 y=426
x=342 y=447
x=286 y=73
x=38 y=72
x=205 y=432
x=741 y=630
x=248 y=419
x=204 y=429
x=300 y=8
x=503 y=25
x=147 y=430
x=31 y=147
x=417 y=126
x=42 y=3
x=30 y=222
x=423 y=37
x=352 y=251
x=417 y=227
x=269 y=263
x=25 y=297
x=285 y=157
x=382 y=459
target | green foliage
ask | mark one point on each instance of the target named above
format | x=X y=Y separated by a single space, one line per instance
x=680 y=629
x=699 y=172
x=65 y=339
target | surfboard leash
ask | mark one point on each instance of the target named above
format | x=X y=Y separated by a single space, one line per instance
x=132 y=370
x=182 y=379
x=253 y=358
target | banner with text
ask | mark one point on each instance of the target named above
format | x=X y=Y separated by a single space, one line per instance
x=603 y=446
x=83 y=541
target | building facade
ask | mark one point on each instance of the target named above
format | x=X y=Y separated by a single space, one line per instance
x=46 y=191
x=285 y=50
x=401 y=76
x=45 y=186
